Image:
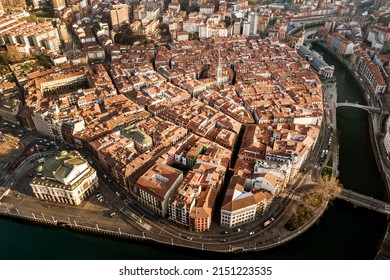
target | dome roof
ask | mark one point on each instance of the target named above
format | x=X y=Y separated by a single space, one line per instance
x=39 y=168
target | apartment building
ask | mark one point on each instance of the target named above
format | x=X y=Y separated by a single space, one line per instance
x=370 y=71
x=250 y=196
x=156 y=186
x=58 y=5
x=119 y=14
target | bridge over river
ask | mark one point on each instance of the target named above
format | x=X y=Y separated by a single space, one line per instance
x=362 y=200
x=357 y=105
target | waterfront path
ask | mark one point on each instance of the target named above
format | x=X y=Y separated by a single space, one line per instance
x=134 y=223
x=377 y=139
x=384 y=251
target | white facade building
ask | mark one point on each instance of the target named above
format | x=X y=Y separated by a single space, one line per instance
x=156 y=186
x=246 y=30
x=191 y=25
x=253 y=19
x=66 y=178
x=43 y=122
x=237 y=216
x=386 y=139
x=245 y=199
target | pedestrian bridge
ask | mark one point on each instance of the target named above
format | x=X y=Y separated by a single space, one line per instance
x=362 y=200
x=357 y=105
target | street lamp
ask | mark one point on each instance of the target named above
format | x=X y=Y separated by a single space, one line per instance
x=39 y=152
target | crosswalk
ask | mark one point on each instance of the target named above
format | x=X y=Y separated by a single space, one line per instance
x=136 y=218
x=128 y=201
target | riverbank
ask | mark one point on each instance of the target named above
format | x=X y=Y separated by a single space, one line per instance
x=92 y=217
x=384 y=252
x=132 y=221
x=368 y=96
x=344 y=232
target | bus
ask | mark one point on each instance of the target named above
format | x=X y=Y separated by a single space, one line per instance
x=268 y=222
x=29 y=152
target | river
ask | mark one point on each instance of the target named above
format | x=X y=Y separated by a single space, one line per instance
x=343 y=232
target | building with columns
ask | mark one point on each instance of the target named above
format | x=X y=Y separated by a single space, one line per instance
x=65 y=178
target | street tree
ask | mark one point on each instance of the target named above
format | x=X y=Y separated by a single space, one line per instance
x=330 y=187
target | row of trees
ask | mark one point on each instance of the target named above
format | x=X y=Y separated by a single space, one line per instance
x=126 y=35
x=14 y=57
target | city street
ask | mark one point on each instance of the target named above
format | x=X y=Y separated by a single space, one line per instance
x=112 y=209
x=133 y=219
